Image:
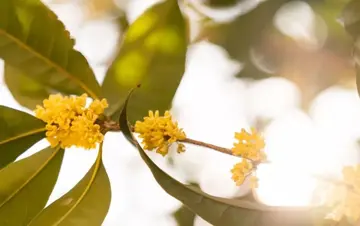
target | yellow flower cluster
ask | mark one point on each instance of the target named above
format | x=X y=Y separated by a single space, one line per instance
x=241 y=170
x=69 y=122
x=160 y=132
x=249 y=146
x=346 y=199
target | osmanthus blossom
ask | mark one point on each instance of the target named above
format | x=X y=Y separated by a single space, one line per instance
x=70 y=122
x=159 y=132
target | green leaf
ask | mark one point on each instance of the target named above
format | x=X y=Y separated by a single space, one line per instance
x=153 y=55
x=244 y=33
x=184 y=216
x=26 y=91
x=231 y=36
x=222 y=3
x=85 y=205
x=34 y=41
x=26 y=185
x=216 y=210
x=351 y=19
x=19 y=131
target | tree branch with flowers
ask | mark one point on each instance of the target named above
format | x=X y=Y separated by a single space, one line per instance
x=73 y=110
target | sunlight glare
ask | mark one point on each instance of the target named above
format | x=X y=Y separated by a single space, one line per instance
x=300 y=148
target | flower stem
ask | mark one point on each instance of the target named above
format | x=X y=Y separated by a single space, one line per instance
x=211 y=146
x=216 y=148
x=114 y=126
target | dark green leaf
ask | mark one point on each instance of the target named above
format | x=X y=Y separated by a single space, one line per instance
x=222 y=3
x=153 y=55
x=85 y=205
x=34 y=41
x=26 y=91
x=25 y=186
x=216 y=210
x=184 y=216
x=19 y=131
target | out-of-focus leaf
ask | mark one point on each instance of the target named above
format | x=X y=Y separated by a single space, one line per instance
x=337 y=39
x=221 y=3
x=184 y=216
x=251 y=71
x=26 y=91
x=34 y=41
x=19 y=131
x=153 y=55
x=95 y=9
x=216 y=210
x=85 y=205
x=351 y=19
x=25 y=186
x=242 y=34
x=239 y=35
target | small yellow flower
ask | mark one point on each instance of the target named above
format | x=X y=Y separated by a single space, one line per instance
x=345 y=199
x=159 y=132
x=351 y=175
x=240 y=171
x=348 y=207
x=249 y=145
x=98 y=106
x=352 y=206
x=180 y=148
x=69 y=122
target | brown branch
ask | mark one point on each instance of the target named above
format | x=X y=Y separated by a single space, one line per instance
x=114 y=126
x=211 y=146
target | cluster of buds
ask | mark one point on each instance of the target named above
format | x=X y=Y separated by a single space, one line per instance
x=250 y=147
x=159 y=132
x=70 y=122
x=344 y=197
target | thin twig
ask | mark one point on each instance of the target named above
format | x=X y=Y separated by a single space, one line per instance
x=114 y=126
x=216 y=148
x=211 y=146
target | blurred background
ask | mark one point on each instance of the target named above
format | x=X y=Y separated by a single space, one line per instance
x=281 y=66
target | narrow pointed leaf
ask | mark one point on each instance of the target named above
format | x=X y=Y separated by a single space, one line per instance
x=33 y=40
x=85 y=205
x=25 y=186
x=153 y=55
x=26 y=91
x=19 y=131
x=220 y=211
